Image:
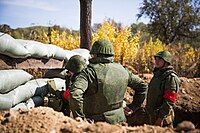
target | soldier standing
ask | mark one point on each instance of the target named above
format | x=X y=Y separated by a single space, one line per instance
x=97 y=92
x=162 y=92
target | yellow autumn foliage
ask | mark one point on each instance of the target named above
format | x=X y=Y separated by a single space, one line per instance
x=145 y=57
x=129 y=50
x=63 y=40
x=185 y=58
x=125 y=45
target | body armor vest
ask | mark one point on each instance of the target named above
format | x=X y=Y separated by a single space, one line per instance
x=112 y=80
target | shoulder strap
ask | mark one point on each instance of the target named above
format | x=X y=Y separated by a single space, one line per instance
x=92 y=67
x=167 y=73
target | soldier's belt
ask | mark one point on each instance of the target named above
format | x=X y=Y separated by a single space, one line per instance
x=115 y=106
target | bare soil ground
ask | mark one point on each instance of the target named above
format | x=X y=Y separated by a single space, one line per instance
x=45 y=119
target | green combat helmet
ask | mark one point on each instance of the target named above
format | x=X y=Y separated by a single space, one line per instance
x=76 y=64
x=102 y=47
x=165 y=55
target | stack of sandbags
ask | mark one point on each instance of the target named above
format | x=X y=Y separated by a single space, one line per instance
x=10 y=79
x=19 y=48
x=38 y=98
x=16 y=86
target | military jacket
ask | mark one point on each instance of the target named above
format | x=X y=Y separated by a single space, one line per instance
x=99 y=91
x=163 y=79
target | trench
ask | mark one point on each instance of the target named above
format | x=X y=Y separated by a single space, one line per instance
x=182 y=115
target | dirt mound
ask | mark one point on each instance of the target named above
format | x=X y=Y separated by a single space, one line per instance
x=189 y=94
x=44 y=119
x=188 y=101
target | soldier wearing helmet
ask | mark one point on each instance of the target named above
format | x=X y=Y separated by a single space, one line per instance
x=162 y=92
x=74 y=66
x=98 y=91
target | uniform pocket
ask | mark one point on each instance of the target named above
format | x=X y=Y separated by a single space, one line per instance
x=169 y=118
x=115 y=116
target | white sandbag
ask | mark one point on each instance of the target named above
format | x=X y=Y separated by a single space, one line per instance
x=29 y=104
x=69 y=54
x=41 y=50
x=56 y=52
x=5 y=102
x=83 y=52
x=37 y=49
x=10 y=79
x=36 y=87
x=23 y=106
x=9 y=46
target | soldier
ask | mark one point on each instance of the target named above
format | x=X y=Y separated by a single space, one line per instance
x=162 y=91
x=74 y=66
x=98 y=91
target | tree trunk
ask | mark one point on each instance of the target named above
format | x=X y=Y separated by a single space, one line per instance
x=85 y=24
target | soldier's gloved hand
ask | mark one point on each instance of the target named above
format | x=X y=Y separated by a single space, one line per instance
x=127 y=111
x=66 y=94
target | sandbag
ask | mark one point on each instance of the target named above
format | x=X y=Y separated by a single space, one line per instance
x=35 y=101
x=69 y=54
x=84 y=53
x=36 y=87
x=9 y=46
x=36 y=49
x=10 y=79
x=57 y=52
x=5 y=102
x=41 y=50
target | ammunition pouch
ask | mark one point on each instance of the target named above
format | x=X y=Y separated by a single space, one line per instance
x=55 y=103
x=167 y=120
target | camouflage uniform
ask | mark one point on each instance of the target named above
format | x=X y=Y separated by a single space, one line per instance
x=162 y=92
x=98 y=91
x=75 y=65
